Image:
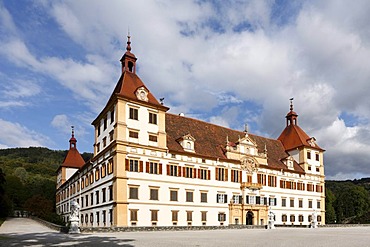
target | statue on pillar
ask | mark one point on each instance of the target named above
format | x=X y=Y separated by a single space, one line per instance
x=271 y=220
x=74 y=218
x=314 y=219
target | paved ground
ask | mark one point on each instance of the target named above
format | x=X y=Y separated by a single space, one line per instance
x=26 y=232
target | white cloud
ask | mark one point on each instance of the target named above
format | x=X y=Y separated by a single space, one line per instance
x=16 y=135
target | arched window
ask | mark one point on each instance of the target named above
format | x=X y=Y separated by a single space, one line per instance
x=130 y=66
x=188 y=145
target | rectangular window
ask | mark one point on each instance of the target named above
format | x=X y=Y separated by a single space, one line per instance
x=98 y=147
x=104 y=217
x=111 y=135
x=189 y=215
x=189 y=172
x=105 y=123
x=173 y=196
x=310 y=187
x=133 y=214
x=154 y=214
x=235 y=176
x=300 y=203
x=318 y=204
x=203 y=174
x=172 y=170
x=292 y=218
x=221 y=217
x=237 y=199
x=317 y=156
x=134 y=193
x=110 y=188
x=152 y=118
x=153 y=138
x=82 y=202
x=92 y=198
x=292 y=203
x=154 y=194
x=103 y=170
x=300 y=186
x=152 y=168
x=189 y=196
x=98 y=129
x=221 y=174
x=104 y=142
x=97 y=197
x=134 y=166
x=282 y=184
x=133 y=134
x=310 y=204
x=283 y=202
x=97 y=174
x=300 y=218
x=308 y=155
x=272 y=181
x=175 y=215
x=103 y=192
x=221 y=198
x=261 y=179
x=284 y=218
x=110 y=166
x=204 y=215
x=112 y=116
x=272 y=201
x=203 y=196
x=134 y=114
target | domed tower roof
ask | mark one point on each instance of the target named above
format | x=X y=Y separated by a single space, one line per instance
x=73 y=158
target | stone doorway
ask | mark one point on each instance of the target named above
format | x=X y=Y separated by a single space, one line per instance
x=249 y=218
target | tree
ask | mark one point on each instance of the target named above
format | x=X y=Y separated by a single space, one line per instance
x=330 y=216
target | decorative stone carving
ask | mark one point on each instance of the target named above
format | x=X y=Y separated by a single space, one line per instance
x=249 y=164
x=142 y=94
x=74 y=218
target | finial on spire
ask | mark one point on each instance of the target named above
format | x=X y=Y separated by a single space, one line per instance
x=291 y=104
x=128 y=47
x=73 y=131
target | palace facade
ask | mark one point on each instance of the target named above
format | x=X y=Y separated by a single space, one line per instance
x=154 y=168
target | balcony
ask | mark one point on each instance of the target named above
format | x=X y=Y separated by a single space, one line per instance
x=251 y=186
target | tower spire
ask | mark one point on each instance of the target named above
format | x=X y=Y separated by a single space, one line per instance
x=72 y=141
x=291 y=117
x=128 y=47
x=291 y=104
x=128 y=59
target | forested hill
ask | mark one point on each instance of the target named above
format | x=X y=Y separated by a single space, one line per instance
x=28 y=179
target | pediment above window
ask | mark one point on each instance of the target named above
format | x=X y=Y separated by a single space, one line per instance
x=187 y=142
x=289 y=162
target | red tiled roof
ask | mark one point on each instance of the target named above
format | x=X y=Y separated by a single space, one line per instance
x=73 y=159
x=211 y=140
x=294 y=137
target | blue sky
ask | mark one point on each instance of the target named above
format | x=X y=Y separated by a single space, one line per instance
x=225 y=62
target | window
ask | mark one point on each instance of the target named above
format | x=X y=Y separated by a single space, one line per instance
x=189 y=196
x=134 y=166
x=172 y=170
x=189 y=215
x=221 y=174
x=300 y=218
x=319 y=218
x=173 y=196
x=104 y=217
x=317 y=169
x=318 y=188
x=237 y=199
x=272 y=201
x=91 y=218
x=97 y=217
x=86 y=181
x=82 y=202
x=97 y=197
x=112 y=116
x=310 y=204
x=154 y=214
x=292 y=218
x=91 y=176
x=105 y=123
x=134 y=113
x=92 y=198
x=308 y=155
x=203 y=196
x=204 y=215
x=300 y=186
x=221 y=198
x=284 y=218
x=103 y=170
x=98 y=147
x=310 y=187
x=188 y=172
x=111 y=216
x=111 y=135
x=251 y=199
x=153 y=138
x=300 y=203
x=317 y=156
x=97 y=174
x=292 y=203
x=110 y=188
x=261 y=179
x=110 y=166
x=103 y=192
x=203 y=174
x=235 y=176
x=272 y=181
x=175 y=215
x=309 y=168
x=318 y=204
x=152 y=168
x=133 y=134
x=104 y=142
x=283 y=202
x=134 y=193
x=221 y=217
x=98 y=129
x=152 y=118
x=309 y=218
x=86 y=218
x=153 y=194
x=133 y=214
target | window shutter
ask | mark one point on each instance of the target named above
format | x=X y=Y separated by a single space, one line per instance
x=183 y=171
x=216 y=173
x=160 y=168
x=209 y=175
x=226 y=175
x=247 y=199
x=168 y=169
x=225 y=199
x=240 y=199
x=127 y=164
x=274 y=201
x=265 y=201
x=281 y=184
x=194 y=172
x=232 y=175
x=217 y=198
x=179 y=171
x=147 y=167
x=240 y=176
x=141 y=164
x=258 y=200
x=199 y=173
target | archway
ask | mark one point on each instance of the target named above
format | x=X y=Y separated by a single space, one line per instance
x=249 y=218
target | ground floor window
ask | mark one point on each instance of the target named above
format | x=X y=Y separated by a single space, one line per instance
x=221 y=217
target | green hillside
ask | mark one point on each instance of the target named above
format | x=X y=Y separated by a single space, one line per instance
x=28 y=180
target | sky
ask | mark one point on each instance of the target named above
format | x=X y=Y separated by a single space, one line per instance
x=230 y=63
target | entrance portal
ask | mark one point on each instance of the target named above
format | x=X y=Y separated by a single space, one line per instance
x=249 y=218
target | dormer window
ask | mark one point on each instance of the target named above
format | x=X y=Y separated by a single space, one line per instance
x=187 y=143
x=290 y=162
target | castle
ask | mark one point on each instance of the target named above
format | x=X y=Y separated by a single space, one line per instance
x=154 y=168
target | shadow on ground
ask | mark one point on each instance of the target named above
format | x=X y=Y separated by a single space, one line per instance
x=60 y=239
